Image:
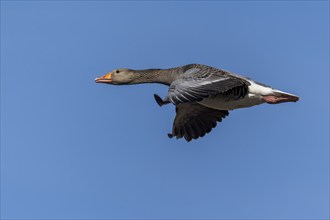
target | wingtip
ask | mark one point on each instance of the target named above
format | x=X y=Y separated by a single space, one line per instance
x=159 y=100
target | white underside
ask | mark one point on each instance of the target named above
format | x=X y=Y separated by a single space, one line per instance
x=254 y=97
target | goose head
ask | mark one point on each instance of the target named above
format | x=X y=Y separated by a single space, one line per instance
x=118 y=77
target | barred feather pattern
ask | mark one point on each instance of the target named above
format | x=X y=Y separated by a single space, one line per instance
x=199 y=82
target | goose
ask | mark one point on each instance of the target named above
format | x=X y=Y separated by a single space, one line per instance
x=203 y=95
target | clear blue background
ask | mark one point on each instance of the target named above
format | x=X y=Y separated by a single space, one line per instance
x=71 y=148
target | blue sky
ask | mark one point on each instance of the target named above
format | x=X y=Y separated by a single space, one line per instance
x=71 y=148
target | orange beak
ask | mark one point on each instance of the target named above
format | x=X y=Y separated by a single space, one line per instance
x=104 y=79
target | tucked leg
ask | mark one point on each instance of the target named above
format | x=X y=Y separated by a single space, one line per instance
x=273 y=99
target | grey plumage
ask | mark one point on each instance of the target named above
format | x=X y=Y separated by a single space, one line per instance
x=192 y=84
x=193 y=120
x=202 y=94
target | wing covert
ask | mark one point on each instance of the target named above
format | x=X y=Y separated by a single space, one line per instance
x=199 y=81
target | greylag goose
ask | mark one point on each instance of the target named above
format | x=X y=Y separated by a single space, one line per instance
x=203 y=95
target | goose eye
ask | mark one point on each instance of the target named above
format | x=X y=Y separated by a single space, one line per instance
x=117 y=71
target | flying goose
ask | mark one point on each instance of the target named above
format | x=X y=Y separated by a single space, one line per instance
x=203 y=95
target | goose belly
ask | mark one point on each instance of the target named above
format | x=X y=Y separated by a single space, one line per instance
x=221 y=103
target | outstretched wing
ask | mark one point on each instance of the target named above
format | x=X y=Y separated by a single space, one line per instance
x=193 y=120
x=199 y=83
